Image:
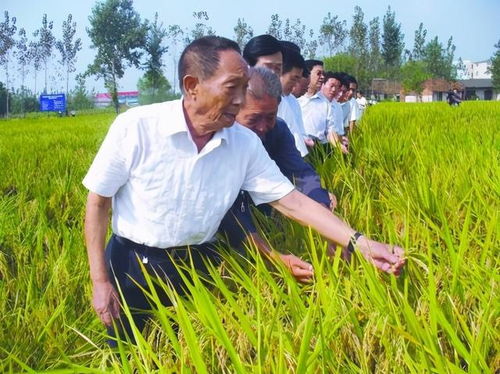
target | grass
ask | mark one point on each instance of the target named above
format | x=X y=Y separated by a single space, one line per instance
x=425 y=176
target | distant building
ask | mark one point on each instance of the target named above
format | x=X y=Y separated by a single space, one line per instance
x=382 y=89
x=128 y=98
x=480 y=89
x=477 y=70
x=433 y=90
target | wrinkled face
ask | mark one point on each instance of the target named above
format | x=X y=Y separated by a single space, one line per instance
x=352 y=90
x=288 y=80
x=300 y=87
x=317 y=77
x=331 y=88
x=258 y=115
x=218 y=99
x=273 y=62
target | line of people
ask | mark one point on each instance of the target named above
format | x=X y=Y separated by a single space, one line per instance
x=322 y=116
x=171 y=173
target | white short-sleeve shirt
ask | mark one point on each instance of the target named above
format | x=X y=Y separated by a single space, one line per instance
x=167 y=194
x=289 y=110
x=354 y=114
x=338 y=117
x=346 y=111
x=317 y=115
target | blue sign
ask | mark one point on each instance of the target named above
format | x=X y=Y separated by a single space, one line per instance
x=53 y=103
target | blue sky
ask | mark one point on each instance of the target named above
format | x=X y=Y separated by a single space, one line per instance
x=475 y=25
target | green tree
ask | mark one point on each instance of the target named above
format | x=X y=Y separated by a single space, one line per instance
x=35 y=53
x=45 y=44
x=392 y=42
x=8 y=29
x=287 y=30
x=495 y=67
x=5 y=97
x=311 y=46
x=275 y=27
x=68 y=48
x=332 y=33
x=419 y=43
x=23 y=101
x=439 y=61
x=155 y=49
x=374 y=54
x=242 y=32
x=23 y=57
x=449 y=56
x=80 y=98
x=200 y=28
x=149 y=95
x=461 y=69
x=118 y=34
x=358 y=46
x=298 y=34
x=175 y=36
x=414 y=74
x=340 y=62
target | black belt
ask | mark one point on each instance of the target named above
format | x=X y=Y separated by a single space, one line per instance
x=145 y=249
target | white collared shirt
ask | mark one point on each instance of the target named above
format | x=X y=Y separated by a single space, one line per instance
x=167 y=194
x=338 y=117
x=354 y=114
x=318 y=116
x=289 y=111
x=346 y=111
x=361 y=105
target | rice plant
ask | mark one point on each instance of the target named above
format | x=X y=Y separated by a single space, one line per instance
x=425 y=176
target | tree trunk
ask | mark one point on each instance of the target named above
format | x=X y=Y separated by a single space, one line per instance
x=7 y=88
x=23 y=74
x=114 y=90
x=35 y=81
x=67 y=88
x=45 y=87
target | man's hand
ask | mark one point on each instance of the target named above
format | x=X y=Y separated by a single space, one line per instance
x=344 y=149
x=309 y=142
x=105 y=302
x=385 y=257
x=301 y=270
x=333 y=201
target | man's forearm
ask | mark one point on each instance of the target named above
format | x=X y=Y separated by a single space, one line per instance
x=96 y=226
x=308 y=212
x=259 y=242
x=352 y=124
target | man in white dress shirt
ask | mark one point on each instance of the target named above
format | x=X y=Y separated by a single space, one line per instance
x=289 y=108
x=317 y=76
x=362 y=103
x=170 y=172
x=323 y=122
x=354 y=114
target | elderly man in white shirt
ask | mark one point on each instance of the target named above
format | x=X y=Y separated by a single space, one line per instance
x=172 y=170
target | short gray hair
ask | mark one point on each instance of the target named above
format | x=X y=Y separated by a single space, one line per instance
x=263 y=82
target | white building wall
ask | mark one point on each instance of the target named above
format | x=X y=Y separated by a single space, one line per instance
x=477 y=70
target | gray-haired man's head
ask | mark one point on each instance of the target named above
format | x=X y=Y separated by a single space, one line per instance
x=262 y=100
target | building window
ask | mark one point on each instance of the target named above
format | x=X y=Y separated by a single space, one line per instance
x=470 y=94
x=488 y=94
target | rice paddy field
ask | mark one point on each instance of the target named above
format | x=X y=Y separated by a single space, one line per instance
x=425 y=176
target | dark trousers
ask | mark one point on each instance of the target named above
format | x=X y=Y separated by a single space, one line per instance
x=123 y=258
